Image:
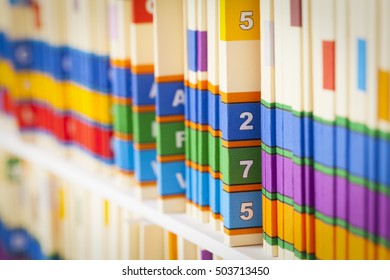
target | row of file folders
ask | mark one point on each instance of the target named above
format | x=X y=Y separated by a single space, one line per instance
x=43 y=217
x=268 y=119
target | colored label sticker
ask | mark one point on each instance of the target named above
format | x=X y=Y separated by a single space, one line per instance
x=383 y=95
x=362 y=64
x=296 y=13
x=328 y=62
x=239 y=20
x=142 y=11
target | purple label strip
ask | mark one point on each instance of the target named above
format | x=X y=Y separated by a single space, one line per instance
x=202 y=50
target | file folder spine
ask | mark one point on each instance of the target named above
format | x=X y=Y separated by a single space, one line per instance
x=143 y=95
x=170 y=100
x=240 y=122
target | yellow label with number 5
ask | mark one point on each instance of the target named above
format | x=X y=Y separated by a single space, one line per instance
x=239 y=20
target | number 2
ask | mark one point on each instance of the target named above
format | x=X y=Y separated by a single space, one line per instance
x=246 y=211
x=245 y=125
x=246 y=18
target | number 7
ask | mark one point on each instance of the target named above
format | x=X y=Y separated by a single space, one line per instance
x=248 y=164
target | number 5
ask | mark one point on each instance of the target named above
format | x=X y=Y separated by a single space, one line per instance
x=248 y=164
x=246 y=17
x=246 y=211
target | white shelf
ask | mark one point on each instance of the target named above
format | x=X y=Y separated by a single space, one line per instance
x=180 y=224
